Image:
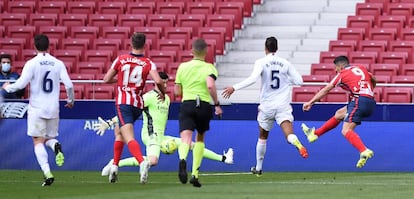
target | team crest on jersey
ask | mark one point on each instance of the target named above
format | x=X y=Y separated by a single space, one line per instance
x=13 y=109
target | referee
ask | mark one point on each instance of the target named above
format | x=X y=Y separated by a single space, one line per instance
x=195 y=83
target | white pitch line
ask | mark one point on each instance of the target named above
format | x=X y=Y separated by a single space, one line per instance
x=226 y=174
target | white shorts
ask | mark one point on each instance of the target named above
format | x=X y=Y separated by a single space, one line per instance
x=41 y=127
x=266 y=118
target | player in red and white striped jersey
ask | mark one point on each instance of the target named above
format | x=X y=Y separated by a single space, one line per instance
x=130 y=72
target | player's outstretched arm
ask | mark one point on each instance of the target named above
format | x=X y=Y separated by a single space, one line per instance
x=103 y=125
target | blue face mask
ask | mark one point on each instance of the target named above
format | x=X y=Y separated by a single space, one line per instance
x=5 y=67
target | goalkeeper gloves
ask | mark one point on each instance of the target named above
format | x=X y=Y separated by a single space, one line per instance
x=103 y=125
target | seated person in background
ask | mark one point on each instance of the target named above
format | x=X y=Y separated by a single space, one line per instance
x=7 y=74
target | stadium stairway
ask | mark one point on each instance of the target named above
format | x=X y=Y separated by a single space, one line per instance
x=303 y=29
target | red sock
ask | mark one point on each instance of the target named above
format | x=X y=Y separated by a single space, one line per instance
x=355 y=140
x=135 y=150
x=328 y=125
x=118 y=147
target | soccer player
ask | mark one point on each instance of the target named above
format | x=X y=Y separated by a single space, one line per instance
x=44 y=73
x=131 y=71
x=195 y=83
x=152 y=134
x=360 y=83
x=277 y=76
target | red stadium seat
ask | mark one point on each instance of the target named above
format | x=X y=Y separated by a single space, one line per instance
x=385 y=69
x=24 y=7
x=161 y=20
x=407 y=69
x=107 y=44
x=397 y=22
x=397 y=95
x=90 y=67
x=200 y=8
x=131 y=21
x=99 y=92
x=304 y=93
x=141 y=7
x=161 y=66
x=86 y=32
x=104 y=56
x=336 y=95
x=113 y=7
x=247 y=8
x=162 y=56
x=70 y=20
x=170 y=8
x=78 y=90
x=73 y=56
x=27 y=54
x=81 y=7
x=43 y=19
x=80 y=76
x=358 y=21
x=172 y=68
x=355 y=34
x=225 y=21
x=323 y=69
x=58 y=32
x=13 y=43
x=360 y=57
x=316 y=78
x=102 y=20
x=342 y=45
x=12 y=19
x=410 y=22
x=403 y=46
x=171 y=44
x=116 y=32
x=195 y=21
x=75 y=44
x=407 y=34
x=26 y=32
x=183 y=33
x=214 y=33
x=372 y=46
x=184 y=56
x=369 y=9
x=378 y=93
x=402 y=79
x=234 y=8
x=18 y=66
x=329 y=56
x=393 y=57
x=383 y=79
x=55 y=7
x=386 y=34
x=403 y=9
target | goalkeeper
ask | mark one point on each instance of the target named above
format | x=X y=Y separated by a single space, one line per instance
x=152 y=134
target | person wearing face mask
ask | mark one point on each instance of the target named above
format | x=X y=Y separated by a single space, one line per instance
x=7 y=74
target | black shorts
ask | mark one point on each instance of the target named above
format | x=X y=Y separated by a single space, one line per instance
x=127 y=114
x=192 y=117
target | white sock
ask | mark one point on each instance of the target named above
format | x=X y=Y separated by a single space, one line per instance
x=292 y=138
x=51 y=143
x=260 y=153
x=42 y=158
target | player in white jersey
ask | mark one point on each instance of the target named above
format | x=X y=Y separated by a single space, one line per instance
x=44 y=73
x=277 y=75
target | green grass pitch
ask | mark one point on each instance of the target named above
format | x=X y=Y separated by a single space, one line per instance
x=16 y=184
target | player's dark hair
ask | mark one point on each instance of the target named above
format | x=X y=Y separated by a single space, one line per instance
x=271 y=44
x=163 y=75
x=41 y=42
x=341 y=59
x=138 y=40
x=199 y=45
x=5 y=56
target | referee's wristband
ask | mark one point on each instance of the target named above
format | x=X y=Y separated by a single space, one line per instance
x=217 y=104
